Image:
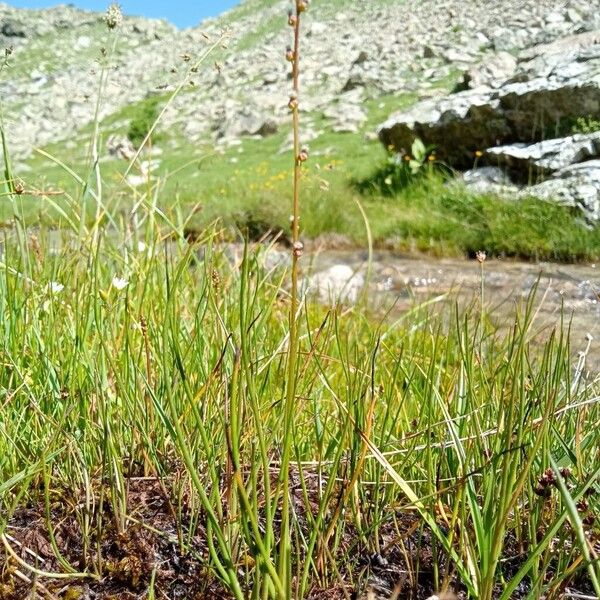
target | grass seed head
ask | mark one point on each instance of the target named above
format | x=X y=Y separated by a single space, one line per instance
x=589 y=519
x=548 y=477
x=216 y=279
x=545 y=484
x=19 y=187
x=114 y=16
x=583 y=506
x=565 y=472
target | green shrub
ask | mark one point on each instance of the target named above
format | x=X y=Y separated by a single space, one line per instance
x=143 y=120
x=571 y=126
x=586 y=125
x=400 y=170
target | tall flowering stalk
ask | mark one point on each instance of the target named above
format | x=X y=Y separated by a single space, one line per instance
x=300 y=156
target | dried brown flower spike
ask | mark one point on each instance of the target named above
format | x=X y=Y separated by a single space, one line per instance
x=303 y=156
x=300 y=155
x=301 y=5
x=293 y=103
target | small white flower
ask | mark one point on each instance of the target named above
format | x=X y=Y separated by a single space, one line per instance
x=119 y=284
x=145 y=249
x=55 y=288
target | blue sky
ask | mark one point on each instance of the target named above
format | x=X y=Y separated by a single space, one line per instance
x=183 y=13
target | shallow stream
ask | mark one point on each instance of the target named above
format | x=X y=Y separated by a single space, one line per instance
x=572 y=291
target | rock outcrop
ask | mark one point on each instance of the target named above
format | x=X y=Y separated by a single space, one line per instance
x=508 y=128
x=530 y=66
x=576 y=186
x=544 y=158
x=549 y=87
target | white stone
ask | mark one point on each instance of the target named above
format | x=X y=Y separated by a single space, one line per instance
x=339 y=283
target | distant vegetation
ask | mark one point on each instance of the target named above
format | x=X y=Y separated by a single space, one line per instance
x=243 y=187
x=146 y=113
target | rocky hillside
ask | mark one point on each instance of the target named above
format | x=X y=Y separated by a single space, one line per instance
x=361 y=61
x=353 y=51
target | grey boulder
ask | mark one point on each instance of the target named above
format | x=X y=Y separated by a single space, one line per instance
x=576 y=186
x=247 y=122
x=549 y=87
x=547 y=156
x=488 y=180
x=338 y=283
x=492 y=72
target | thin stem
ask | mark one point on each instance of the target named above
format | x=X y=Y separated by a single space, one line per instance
x=284 y=567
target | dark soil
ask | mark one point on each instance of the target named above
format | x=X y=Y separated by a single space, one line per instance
x=126 y=559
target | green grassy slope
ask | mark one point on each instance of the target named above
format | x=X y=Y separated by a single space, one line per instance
x=247 y=186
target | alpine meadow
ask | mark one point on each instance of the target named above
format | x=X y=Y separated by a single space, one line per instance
x=301 y=303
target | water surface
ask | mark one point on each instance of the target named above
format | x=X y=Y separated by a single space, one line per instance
x=564 y=291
